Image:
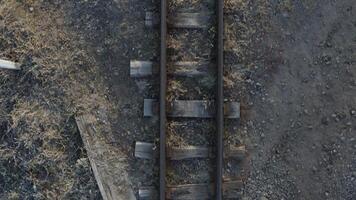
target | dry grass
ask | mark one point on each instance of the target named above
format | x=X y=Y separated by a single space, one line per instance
x=173 y=138
x=173 y=42
x=175 y=90
x=232 y=79
x=188 y=4
x=39 y=138
x=245 y=26
x=234 y=5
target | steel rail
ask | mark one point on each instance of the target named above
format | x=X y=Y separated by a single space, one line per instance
x=220 y=101
x=162 y=102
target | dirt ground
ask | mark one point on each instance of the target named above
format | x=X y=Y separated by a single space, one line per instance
x=301 y=120
x=291 y=64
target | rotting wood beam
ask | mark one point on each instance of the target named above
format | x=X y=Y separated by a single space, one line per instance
x=99 y=153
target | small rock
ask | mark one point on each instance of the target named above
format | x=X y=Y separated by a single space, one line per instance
x=314 y=169
x=336 y=118
x=353 y=112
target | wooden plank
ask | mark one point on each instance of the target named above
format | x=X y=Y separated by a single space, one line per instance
x=140 y=68
x=189 y=191
x=151 y=19
x=201 y=109
x=150 y=107
x=188 y=152
x=179 y=20
x=105 y=160
x=190 y=68
x=147 y=151
x=231 y=190
x=191 y=109
x=144 y=150
x=236 y=152
x=189 y=20
x=5 y=64
x=181 y=153
x=232 y=110
x=147 y=193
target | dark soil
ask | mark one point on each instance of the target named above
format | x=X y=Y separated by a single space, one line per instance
x=299 y=121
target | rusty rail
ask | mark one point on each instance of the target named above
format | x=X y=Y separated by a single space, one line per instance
x=220 y=100
x=162 y=100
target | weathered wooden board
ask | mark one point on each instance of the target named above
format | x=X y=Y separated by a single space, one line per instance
x=235 y=152
x=191 y=108
x=142 y=69
x=232 y=110
x=189 y=20
x=179 y=20
x=189 y=191
x=190 y=68
x=147 y=193
x=150 y=107
x=200 y=109
x=106 y=161
x=231 y=190
x=151 y=19
x=188 y=152
x=147 y=151
x=144 y=150
x=5 y=64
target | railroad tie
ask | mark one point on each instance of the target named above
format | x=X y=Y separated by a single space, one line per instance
x=144 y=69
x=231 y=190
x=192 y=109
x=144 y=150
x=197 y=20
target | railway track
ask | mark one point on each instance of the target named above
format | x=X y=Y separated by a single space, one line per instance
x=189 y=115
